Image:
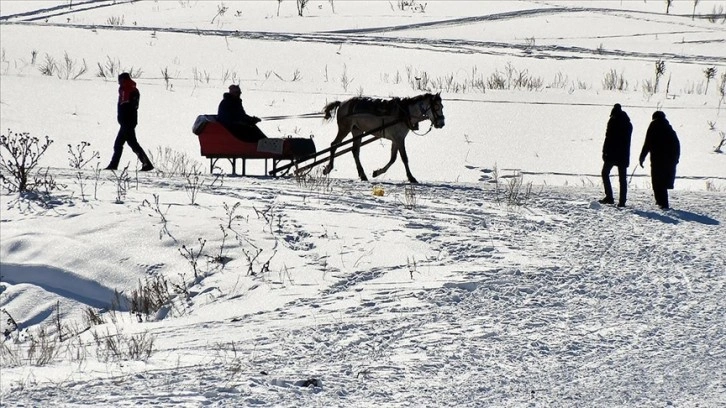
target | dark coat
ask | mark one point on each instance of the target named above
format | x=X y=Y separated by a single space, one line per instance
x=662 y=143
x=616 y=148
x=231 y=113
x=128 y=103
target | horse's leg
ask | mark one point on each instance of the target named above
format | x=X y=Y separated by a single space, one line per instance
x=404 y=158
x=356 y=153
x=341 y=135
x=394 y=154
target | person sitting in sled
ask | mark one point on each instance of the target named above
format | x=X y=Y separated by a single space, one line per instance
x=231 y=114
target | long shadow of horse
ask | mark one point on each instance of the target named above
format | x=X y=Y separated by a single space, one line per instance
x=677 y=216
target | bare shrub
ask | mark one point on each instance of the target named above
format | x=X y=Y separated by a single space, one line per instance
x=156 y=208
x=71 y=69
x=345 y=80
x=516 y=193
x=78 y=160
x=614 y=81
x=193 y=256
x=229 y=76
x=171 y=163
x=560 y=81
x=410 y=198
x=221 y=10
x=115 y=21
x=114 y=347
x=497 y=81
x=39 y=349
x=411 y=5
x=194 y=183
x=121 y=180
x=513 y=78
x=231 y=216
x=419 y=80
x=523 y=80
x=201 y=76
x=648 y=87
x=659 y=71
x=220 y=258
x=19 y=156
x=720 y=144
x=167 y=79
x=710 y=73
x=301 y=5
x=151 y=295
x=717 y=13
x=92 y=317
x=49 y=66
x=314 y=180
x=110 y=69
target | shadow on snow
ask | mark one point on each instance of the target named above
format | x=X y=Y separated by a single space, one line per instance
x=676 y=216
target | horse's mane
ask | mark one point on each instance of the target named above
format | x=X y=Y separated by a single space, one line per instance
x=395 y=101
x=391 y=105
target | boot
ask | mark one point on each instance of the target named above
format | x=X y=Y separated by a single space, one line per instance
x=146 y=163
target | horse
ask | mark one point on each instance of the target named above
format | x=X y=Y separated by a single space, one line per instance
x=359 y=115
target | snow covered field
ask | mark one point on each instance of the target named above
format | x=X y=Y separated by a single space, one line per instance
x=316 y=292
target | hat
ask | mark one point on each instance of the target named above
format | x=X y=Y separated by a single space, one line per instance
x=616 y=109
x=234 y=87
x=658 y=115
x=124 y=76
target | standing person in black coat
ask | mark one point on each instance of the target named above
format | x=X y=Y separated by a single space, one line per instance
x=616 y=153
x=232 y=115
x=127 y=116
x=662 y=143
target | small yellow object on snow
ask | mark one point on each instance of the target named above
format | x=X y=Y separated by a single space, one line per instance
x=378 y=191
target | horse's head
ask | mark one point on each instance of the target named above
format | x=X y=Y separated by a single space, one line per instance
x=435 y=110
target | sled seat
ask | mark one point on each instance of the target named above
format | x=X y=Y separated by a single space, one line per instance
x=216 y=142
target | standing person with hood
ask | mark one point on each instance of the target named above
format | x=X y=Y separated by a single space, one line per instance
x=232 y=115
x=616 y=153
x=127 y=116
x=662 y=143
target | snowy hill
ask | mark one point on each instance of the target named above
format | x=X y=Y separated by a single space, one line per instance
x=497 y=281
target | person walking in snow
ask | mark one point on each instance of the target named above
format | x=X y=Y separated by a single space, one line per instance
x=127 y=116
x=662 y=143
x=232 y=115
x=616 y=153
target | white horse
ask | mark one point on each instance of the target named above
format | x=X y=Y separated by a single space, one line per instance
x=359 y=115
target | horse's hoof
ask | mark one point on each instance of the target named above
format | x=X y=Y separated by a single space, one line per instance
x=326 y=171
x=376 y=174
x=413 y=180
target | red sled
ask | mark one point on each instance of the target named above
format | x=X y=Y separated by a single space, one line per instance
x=216 y=142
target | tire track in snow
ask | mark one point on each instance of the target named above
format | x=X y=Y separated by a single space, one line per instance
x=463 y=46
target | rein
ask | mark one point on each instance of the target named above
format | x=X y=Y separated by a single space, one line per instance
x=431 y=126
x=301 y=116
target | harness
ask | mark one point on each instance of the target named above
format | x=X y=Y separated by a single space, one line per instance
x=414 y=126
x=396 y=108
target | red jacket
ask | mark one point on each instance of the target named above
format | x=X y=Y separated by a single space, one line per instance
x=128 y=103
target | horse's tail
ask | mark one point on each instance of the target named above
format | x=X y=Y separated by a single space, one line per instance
x=330 y=108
